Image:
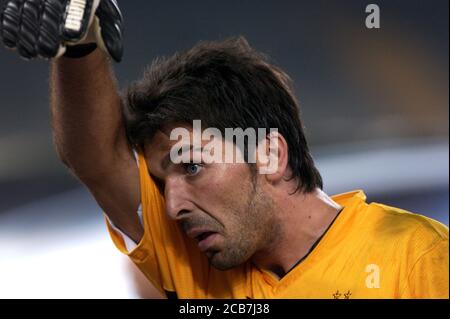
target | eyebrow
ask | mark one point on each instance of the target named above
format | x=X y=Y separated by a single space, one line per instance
x=185 y=148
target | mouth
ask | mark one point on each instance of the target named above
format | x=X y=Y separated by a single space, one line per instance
x=205 y=239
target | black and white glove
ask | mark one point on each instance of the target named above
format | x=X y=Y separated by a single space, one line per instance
x=52 y=28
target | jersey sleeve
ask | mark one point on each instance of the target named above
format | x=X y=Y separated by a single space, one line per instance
x=169 y=259
x=428 y=278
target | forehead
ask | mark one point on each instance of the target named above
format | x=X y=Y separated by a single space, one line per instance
x=159 y=146
x=157 y=149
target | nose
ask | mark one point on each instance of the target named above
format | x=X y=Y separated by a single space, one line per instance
x=176 y=197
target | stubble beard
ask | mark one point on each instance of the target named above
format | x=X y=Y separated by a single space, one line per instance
x=257 y=228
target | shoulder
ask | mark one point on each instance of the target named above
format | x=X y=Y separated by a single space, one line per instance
x=400 y=227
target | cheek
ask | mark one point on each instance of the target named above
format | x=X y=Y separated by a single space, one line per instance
x=226 y=183
x=225 y=194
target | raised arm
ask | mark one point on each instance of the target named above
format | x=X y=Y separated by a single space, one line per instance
x=90 y=137
x=79 y=37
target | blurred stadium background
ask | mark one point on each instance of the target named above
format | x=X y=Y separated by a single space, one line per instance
x=374 y=103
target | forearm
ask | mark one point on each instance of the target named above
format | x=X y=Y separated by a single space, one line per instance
x=86 y=112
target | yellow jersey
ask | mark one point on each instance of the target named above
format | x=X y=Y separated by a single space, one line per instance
x=369 y=251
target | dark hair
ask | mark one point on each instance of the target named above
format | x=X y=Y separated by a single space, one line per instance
x=223 y=84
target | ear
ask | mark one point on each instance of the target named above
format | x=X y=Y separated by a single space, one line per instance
x=272 y=157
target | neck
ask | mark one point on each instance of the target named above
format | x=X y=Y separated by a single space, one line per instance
x=303 y=219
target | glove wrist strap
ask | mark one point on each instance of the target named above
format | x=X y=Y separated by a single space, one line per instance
x=80 y=50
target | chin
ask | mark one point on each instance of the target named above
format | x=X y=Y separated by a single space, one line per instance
x=221 y=266
x=220 y=262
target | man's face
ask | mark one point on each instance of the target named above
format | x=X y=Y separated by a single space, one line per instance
x=222 y=205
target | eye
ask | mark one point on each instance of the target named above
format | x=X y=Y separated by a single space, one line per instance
x=192 y=169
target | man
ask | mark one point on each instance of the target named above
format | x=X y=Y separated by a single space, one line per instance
x=215 y=229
